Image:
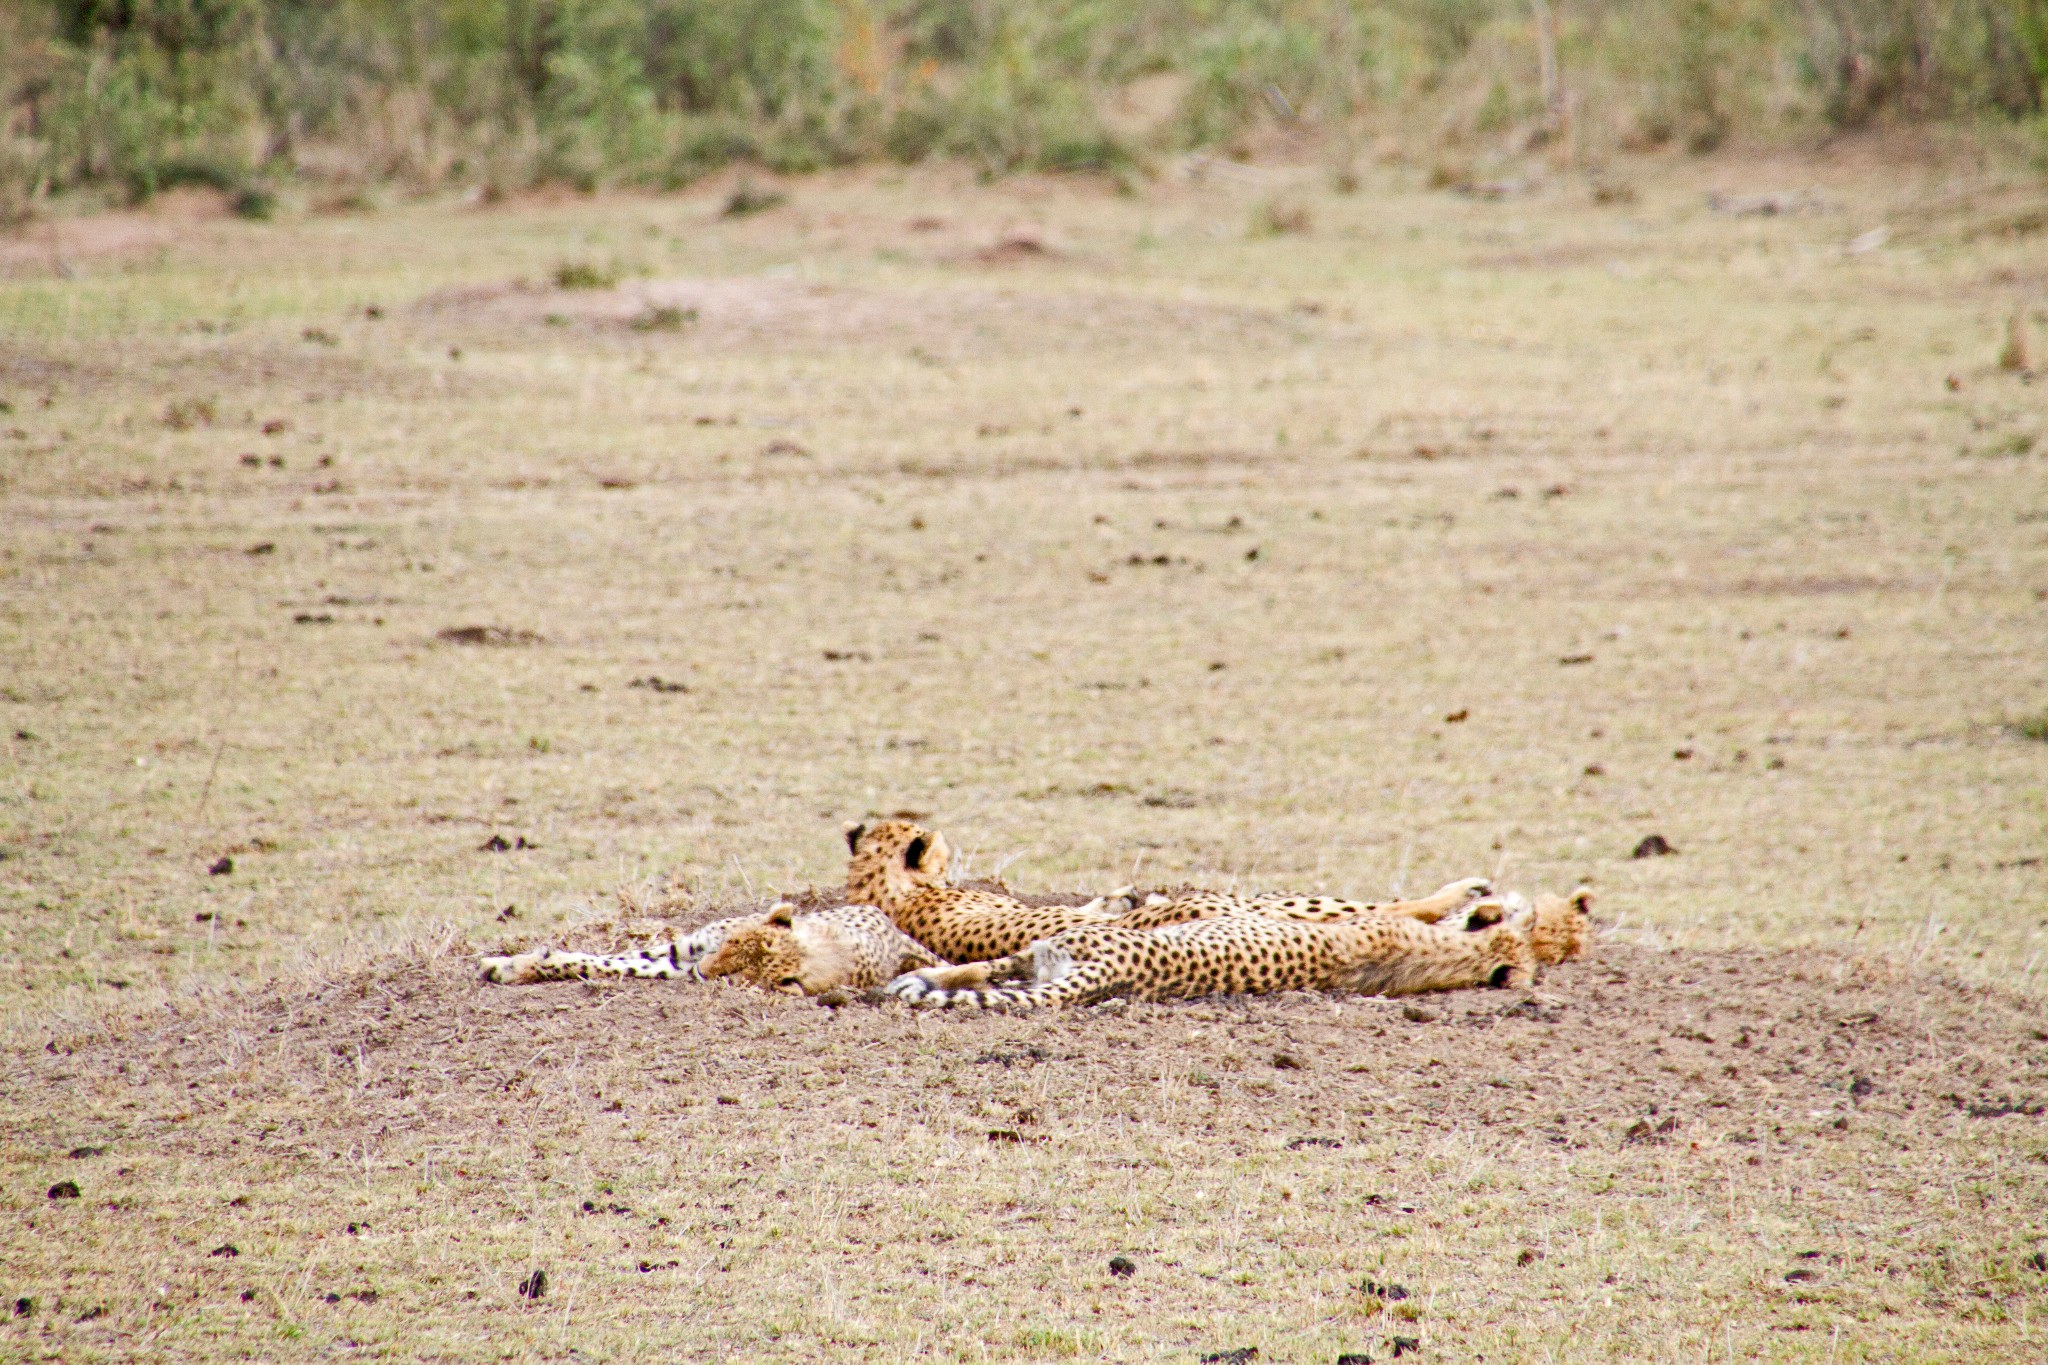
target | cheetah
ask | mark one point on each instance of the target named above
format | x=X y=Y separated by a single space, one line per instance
x=902 y=868
x=1373 y=954
x=896 y=866
x=853 y=946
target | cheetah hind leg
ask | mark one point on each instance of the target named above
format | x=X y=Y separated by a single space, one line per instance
x=1074 y=983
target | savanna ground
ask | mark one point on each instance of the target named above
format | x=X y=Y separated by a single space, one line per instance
x=1124 y=537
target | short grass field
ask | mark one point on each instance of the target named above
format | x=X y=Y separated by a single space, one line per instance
x=380 y=588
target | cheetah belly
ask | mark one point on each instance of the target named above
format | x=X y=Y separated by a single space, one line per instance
x=874 y=950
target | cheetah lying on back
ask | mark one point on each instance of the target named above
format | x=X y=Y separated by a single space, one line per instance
x=1258 y=952
x=902 y=868
x=849 y=945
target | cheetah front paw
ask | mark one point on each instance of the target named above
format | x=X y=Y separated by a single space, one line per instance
x=1121 y=901
x=1491 y=909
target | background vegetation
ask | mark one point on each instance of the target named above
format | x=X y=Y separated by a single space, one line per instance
x=246 y=94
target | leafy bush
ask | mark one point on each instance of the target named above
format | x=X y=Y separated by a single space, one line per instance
x=241 y=94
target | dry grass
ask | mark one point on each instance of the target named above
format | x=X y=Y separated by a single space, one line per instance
x=1153 y=552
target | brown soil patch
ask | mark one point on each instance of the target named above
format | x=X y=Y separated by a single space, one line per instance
x=755 y=309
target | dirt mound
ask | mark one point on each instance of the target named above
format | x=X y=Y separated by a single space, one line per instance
x=1709 y=1047
x=407 y=1152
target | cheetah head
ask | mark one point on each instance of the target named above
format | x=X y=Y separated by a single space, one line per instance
x=1561 y=925
x=893 y=859
x=778 y=952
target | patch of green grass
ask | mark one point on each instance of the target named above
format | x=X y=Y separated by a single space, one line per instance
x=586 y=275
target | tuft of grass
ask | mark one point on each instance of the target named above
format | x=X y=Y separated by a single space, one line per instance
x=2016 y=445
x=1448 y=175
x=585 y=275
x=2016 y=356
x=663 y=317
x=187 y=413
x=254 y=202
x=1281 y=217
x=746 y=201
x=2034 y=727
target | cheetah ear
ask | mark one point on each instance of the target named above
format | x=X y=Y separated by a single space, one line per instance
x=913 y=852
x=1582 y=900
x=782 y=914
x=854 y=829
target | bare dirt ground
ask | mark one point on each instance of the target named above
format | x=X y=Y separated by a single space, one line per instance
x=368 y=595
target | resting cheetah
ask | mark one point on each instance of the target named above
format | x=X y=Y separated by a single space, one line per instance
x=849 y=945
x=1256 y=953
x=855 y=946
x=902 y=867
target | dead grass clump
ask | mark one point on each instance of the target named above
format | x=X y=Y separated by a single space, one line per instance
x=1448 y=175
x=662 y=317
x=187 y=413
x=493 y=636
x=1612 y=190
x=2031 y=727
x=2016 y=356
x=1281 y=218
x=746 y=201
x=1017 y=245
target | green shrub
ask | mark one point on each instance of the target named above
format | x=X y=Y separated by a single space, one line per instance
x=145 y=94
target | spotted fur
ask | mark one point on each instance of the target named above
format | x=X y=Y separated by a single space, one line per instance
x=1462 y=897
x=849 y=945
x=654 y=961
x=1249 y=953
x=854 y=947
x=902 y=868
